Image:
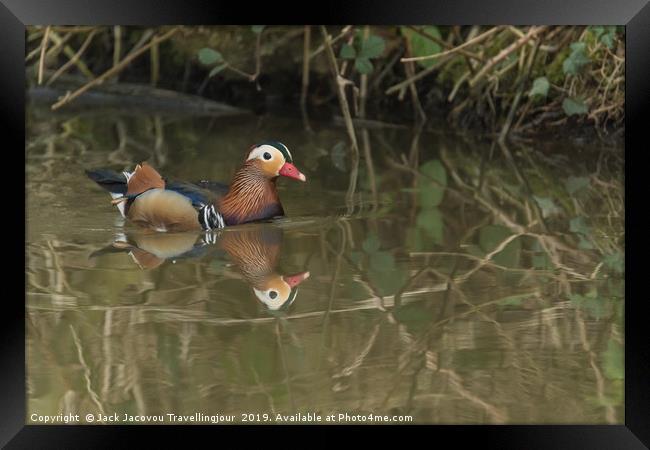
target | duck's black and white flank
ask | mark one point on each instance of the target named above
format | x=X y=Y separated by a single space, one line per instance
x=148 y=200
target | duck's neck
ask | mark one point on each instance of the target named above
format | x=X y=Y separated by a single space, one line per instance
x=255 y=253
x=252 y=196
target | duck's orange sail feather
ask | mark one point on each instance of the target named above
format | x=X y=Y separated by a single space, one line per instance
x=144 y=178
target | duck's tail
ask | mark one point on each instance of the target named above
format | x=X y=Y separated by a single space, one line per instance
x=123 y=185
x=116 y=183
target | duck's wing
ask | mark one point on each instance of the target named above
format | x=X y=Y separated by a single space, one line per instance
x=199 y=194
x=220 y=189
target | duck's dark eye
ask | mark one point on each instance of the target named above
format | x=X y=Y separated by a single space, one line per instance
x=267 y=155
x=273 y=294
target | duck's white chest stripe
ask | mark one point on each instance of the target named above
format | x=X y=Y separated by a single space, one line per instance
x=210 y=219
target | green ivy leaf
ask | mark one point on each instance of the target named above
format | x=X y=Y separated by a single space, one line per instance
x=371 y=244
x=423 y=46
x=356 y=257
x=491 y=236
x=347 y=52
x=578 y=225
x=608 y=37
x=363 y=65
x=338 y=155
x=432 y=184
x=372 y=47
x=596 y=306
x=382 y=262
x=575 y=184
x=430 y=221
x=209 y=56
x=573 y=106
x=615 y=261
x=540 y=87
x=597 y=30
x=576 y=60
x=584 y=243
x=613 y=361
x=416 y=316
x=547 y=206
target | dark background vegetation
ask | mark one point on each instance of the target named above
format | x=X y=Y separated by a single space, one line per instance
x=513 y=81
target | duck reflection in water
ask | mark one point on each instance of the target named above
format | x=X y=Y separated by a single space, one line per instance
x=254 y=251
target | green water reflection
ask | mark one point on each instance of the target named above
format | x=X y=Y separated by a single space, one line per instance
x=450 y=279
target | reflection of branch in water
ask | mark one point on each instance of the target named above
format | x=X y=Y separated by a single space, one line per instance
x=600 y=381
x=160 y=153
x=489 y=256
x=498 y=416
x=107 y=352
x=548 y=242
x=500 y=331
x=82 y=361
x=287 y=377
x=364 y=279
x=349 y=370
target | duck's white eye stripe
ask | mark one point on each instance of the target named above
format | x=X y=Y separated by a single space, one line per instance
x=259 y=151
x=288 y=152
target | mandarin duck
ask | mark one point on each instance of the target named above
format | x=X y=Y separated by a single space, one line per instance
x=255 y=253
x=145 y=198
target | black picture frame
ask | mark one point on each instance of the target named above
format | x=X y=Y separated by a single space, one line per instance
x=634 y=14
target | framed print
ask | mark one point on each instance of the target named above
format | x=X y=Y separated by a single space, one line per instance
x=413 y=216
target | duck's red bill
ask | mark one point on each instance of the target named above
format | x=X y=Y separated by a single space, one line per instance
x=295 y=280
x=290 y=171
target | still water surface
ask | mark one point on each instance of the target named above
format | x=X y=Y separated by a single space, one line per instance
x=449 y=279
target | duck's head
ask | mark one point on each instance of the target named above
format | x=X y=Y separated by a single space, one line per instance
x=274 y=159
x=278 y=291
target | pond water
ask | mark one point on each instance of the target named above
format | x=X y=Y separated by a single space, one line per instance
x=447 y=279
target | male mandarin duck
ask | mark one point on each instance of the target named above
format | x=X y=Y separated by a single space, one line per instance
x=148 y=200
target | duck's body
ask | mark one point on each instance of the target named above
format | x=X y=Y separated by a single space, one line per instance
x=146 y=199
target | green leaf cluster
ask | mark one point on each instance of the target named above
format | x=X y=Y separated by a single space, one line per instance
x=431 y=189
x=577 y=59
x=362 y=51
x=606 y=34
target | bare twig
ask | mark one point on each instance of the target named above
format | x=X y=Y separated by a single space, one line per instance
x=114 y=70
x=453 y=50
x=74 y=58
x=305 y=77
x=340 y=84
x=532 y=32
x=41 y=62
